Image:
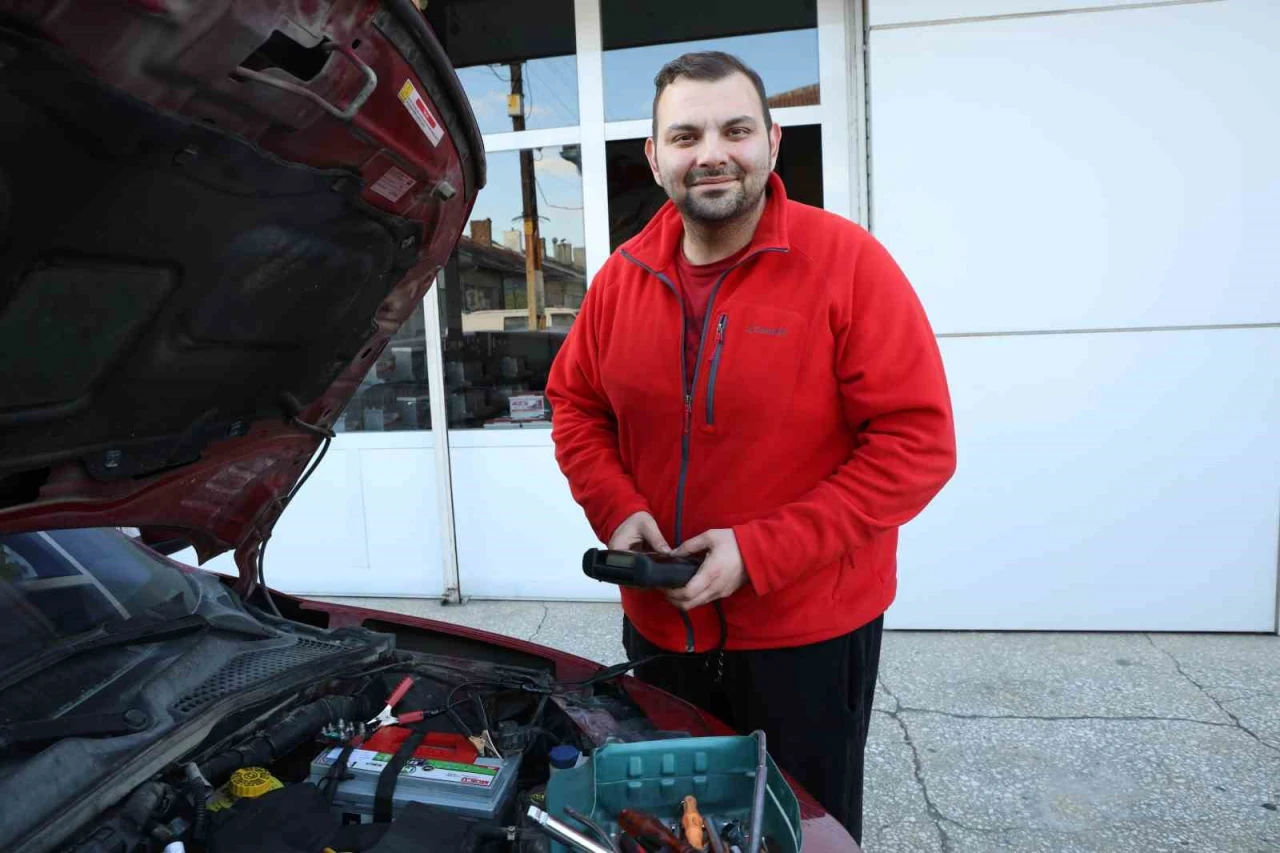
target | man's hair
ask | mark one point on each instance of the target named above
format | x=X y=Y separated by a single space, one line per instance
x=708 y=67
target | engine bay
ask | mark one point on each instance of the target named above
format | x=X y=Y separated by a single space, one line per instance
x=423 y=753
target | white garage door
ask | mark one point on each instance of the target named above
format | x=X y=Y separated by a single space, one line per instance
x=1088 y=204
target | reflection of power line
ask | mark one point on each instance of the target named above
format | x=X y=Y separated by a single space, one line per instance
x=537 y=158
x=495 y=73
x=543 y=193
x=567 y=79
x=552 y=89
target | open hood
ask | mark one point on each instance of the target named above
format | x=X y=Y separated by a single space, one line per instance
x=214 y=215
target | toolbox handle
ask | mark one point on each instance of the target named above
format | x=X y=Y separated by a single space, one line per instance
x=757 y=798
x=370 y=83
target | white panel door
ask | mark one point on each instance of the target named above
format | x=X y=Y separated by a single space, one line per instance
x=884 y=13
x=402 y=525
x=519 y=532
x=1110 y=482
x=1096 y=170
x=366 y=523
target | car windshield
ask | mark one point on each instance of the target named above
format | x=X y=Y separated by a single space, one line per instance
x=60 y=583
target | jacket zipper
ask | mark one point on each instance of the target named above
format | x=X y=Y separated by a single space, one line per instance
x=687 y=387
x=715 y=368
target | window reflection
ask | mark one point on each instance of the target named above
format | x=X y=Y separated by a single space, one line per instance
x=393 y=395
x=634 y=197
x=549 y=88
x=778 y=40
x=495 y=359
x=515 y=60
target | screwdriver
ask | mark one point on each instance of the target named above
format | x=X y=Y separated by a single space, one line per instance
x=692 y=823
x=646 y=827
x=713 y=833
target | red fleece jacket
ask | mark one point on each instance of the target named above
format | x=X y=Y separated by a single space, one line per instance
x=819 y=423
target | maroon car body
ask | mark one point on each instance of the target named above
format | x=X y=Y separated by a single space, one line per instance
x=215 y=214
x=822 y=833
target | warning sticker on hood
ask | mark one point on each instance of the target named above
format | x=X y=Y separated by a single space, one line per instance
x=421 y=113
x=393 y=184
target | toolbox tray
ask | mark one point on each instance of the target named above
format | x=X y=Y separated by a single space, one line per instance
x=654 y=776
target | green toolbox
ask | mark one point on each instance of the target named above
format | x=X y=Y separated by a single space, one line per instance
x=654 y=777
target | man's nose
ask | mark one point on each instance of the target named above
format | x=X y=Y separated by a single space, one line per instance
x=711 y=152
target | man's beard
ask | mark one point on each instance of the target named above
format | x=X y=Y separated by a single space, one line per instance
x=727 y=202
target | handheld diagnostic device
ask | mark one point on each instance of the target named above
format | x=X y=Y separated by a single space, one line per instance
x=642 y=569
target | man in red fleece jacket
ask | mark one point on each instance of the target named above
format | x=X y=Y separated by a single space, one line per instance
x=754 y=381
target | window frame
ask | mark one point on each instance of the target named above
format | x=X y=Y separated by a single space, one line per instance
x=841 y=115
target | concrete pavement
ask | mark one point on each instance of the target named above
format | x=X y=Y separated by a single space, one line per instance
x=1030 y=742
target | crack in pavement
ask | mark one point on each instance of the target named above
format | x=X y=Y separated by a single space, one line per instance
x=918 y=769
x=1139 y=718
x=1234 y=719
x=546 y=611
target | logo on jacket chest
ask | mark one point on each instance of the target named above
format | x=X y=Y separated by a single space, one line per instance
x=771 y=331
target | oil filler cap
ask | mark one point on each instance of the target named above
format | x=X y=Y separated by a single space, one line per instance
x=251 y=782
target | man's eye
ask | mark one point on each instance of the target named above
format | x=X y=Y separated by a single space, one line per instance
x=738 y=131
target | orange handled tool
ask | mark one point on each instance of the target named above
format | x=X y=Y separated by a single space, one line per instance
x=693 y=824
x=646 y=827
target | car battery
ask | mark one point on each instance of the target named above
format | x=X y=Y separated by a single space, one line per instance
x=436 y=775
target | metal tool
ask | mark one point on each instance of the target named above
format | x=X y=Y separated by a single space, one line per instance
x=714 y=837
x=590 y=824
x=387 y=718
x=645 y=827
x=565 y=833
x=756 y=836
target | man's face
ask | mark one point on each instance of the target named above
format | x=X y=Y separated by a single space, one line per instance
x=712 y=153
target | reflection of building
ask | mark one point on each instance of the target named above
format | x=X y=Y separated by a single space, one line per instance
x=494 y=276
x=563 y=253
x=804 y=96
x=491 y=357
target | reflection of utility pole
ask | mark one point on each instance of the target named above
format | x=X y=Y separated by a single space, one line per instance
x=534 y=290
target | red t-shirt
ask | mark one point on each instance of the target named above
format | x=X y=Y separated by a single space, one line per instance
x=696 y=283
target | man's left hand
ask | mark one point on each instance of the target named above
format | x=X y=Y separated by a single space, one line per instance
x=720 y=575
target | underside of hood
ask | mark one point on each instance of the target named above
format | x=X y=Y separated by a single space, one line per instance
x=187 y=302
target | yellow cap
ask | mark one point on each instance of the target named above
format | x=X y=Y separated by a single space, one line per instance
x=252 y=782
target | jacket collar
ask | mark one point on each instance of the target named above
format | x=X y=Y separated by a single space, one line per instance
x=655 y=246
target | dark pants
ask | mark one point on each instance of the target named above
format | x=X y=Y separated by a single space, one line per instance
x=812 y=702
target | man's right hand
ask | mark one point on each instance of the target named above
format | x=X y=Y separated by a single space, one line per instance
x=639 y=533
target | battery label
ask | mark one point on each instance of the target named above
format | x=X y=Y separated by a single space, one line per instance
x=473 y=775
x=421 y=113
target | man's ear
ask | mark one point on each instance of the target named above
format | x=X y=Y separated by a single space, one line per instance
x=651 y=153
x=775 y=141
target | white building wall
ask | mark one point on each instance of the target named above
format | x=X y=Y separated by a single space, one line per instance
x=1042 y=176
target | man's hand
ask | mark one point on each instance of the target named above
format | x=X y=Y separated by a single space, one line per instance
x=639 y=529
x=720 y=575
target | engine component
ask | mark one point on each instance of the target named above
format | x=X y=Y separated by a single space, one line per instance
x=422 y=829
x=293 y=819
x=247 y=782
x=481 y=788
x=285 y=735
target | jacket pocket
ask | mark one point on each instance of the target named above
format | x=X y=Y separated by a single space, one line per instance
x=750 y=369
x=715 y=368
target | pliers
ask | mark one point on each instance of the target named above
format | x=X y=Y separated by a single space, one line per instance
x=387 y=718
